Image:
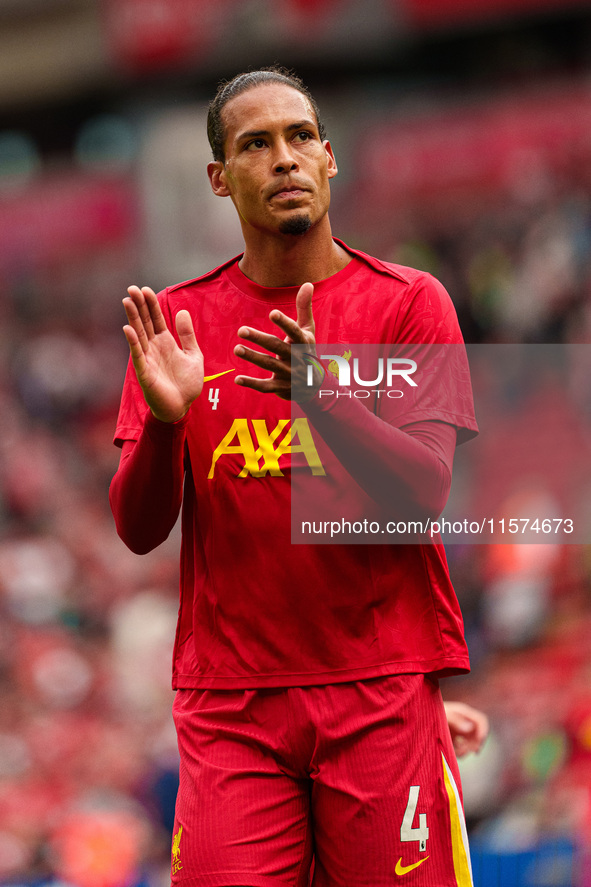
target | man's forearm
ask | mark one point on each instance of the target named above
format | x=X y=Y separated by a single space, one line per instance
x=146 y=491
x=408 y=470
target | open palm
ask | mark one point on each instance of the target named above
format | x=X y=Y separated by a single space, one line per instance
x=171 y=377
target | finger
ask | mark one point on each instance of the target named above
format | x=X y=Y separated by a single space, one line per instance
x=186 y=333
x=280 y=387
x=131 y=336
x=144 y=312
x=294 y=334
x=305 y=318
x=156 y=315
x=468 y=742
x=135 y=322
x=264 y=361
x=461 y=749
x=135 y=348
x=150 y=313
x=266 y=340
x=481 y=734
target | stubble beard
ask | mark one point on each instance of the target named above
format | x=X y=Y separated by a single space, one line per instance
x=296 y=225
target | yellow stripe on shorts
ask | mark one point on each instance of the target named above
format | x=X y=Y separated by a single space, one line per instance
x=459 y=836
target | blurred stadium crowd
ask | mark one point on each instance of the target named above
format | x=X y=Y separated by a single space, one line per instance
x=478 y=170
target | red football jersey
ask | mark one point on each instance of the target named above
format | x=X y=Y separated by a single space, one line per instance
x=256 y=610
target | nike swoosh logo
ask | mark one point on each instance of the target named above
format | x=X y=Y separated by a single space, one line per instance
x=403 y=869
x=217 y=375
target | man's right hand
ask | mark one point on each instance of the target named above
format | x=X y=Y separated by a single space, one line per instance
x=171 y=377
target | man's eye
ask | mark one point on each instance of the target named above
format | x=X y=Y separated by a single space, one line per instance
x=255 y=144
x=304 y=136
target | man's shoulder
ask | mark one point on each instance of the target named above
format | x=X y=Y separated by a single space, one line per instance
x=204 y=279
x=402 y=273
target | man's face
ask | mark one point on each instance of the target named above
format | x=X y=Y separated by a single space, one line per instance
x=277 y=170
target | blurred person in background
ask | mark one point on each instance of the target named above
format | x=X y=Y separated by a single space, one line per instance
x=308 y=711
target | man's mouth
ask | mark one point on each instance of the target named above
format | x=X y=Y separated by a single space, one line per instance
x=291 y=192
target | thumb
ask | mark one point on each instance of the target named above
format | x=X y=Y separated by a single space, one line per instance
x=186 y=333
x=305 y=319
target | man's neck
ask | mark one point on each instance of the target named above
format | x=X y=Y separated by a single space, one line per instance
x=290 y=260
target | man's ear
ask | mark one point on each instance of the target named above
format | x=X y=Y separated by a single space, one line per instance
x=332 y=164
x=217 y=178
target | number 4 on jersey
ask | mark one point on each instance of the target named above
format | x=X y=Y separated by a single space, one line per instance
x=214 y=397
x=419 y=833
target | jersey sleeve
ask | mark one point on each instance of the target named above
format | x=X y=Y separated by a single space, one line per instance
x=427 y=315
x=146 y=492
x=393 y=442
x=428 y=332
x=132 y=410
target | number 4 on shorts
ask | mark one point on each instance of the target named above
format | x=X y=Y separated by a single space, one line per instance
x=419 y=833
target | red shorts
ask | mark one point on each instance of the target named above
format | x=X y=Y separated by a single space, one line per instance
x=359 y=777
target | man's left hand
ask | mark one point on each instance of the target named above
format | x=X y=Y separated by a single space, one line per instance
x=289 y=371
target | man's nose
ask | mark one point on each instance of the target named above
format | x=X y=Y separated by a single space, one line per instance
x=284 y=160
